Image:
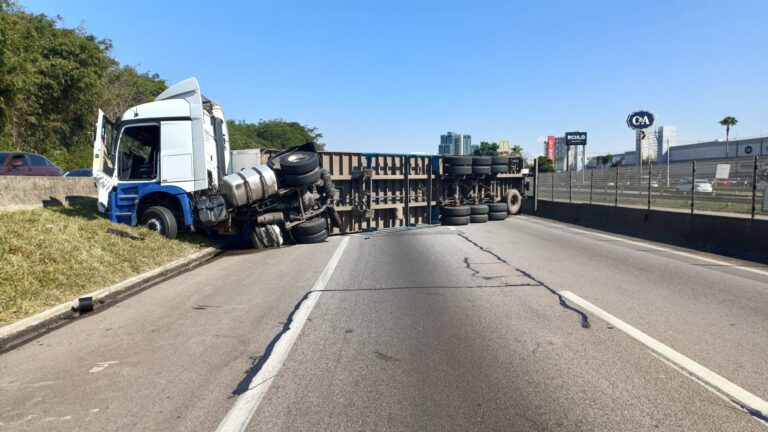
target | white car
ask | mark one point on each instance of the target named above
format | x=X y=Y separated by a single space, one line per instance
x=700 y=186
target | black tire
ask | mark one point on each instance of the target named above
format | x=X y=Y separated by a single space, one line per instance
x=456 y=220
x=457 y=169
x=481 y=169
x=499 y=169
x=313 y=238
x=456 y=211
x=481 y=161
x=497 y=207
x=310 y=227
x=499 y=160
x=160 y=219
x=478 y=218
x=303 y=179
x=479 y=209
x=299 y=162
x=457 y=160
x=497 y=216
x=514 y=201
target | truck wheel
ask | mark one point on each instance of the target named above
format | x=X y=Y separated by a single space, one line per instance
x=499 y=169
x=160 y=219
x=481 y=169
x=299 y=162
x=456 y=220
x=497 y=216
x=477 y=218
x=497 y=207
x=481 y=161
x=312 y=238
x=310 y=227
x=457 y=160
x=303 y=179
x=514 y=201
x=456 y=211
x=457 y=169
x=499 y=160
x=479 y=209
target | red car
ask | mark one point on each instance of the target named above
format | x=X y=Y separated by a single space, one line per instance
x=27 y=164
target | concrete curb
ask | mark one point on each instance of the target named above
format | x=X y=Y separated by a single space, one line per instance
x=167 y=270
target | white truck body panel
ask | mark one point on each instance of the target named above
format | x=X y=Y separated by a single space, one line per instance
x=176 y=166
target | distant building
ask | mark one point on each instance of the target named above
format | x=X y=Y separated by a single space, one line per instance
x=563 y=155
x=737 y=149
x=666 y=137
x=455 y=144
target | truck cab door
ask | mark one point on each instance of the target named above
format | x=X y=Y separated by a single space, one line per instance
x=104 y=159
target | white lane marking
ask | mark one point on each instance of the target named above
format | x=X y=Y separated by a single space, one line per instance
x=240 y=414
x=452 y=228
x=659 y=248
x=100 y=366
x=737 y=394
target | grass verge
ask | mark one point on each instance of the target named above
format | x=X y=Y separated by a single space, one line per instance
x=52 y=255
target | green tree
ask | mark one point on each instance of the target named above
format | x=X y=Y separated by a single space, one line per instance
x=604 y=160
x=486 y=149
x=728 y=122
x=276 y=134
x=517 y=149
x=124 y=87
x=545 y=164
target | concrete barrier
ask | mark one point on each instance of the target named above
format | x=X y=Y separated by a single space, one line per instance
x=735 y=237
x=21 y=192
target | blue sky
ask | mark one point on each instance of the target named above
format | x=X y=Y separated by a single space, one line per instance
x=393 y=75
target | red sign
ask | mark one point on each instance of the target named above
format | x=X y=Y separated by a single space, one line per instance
x=551 y=147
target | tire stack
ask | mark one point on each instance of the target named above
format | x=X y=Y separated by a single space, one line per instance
x=481 y=165
x=300 y=168
x=457 y=165
x=499 y=165
x=479 y=213
x=456 y=215
x=312 y=231
x=497 y=211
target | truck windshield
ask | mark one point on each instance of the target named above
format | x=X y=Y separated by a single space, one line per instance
x=137 y=152
x=2 y=158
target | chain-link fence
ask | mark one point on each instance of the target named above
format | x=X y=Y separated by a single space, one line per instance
x=734 y=186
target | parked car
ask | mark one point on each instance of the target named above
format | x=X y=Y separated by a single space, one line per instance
x=700 y=186
x=27 y=164
x=79 y=172
x=738 y=181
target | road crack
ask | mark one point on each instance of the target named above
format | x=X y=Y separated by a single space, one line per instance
x=476 y=273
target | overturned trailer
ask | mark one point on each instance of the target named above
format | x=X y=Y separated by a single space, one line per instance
x=167 y=164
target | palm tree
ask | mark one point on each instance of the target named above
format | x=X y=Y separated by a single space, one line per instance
x=728 y=121
x=517 y=149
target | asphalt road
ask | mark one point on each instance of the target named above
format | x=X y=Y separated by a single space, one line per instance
x=425 y=329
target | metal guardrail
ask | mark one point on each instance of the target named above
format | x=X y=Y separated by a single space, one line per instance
x=682 y=186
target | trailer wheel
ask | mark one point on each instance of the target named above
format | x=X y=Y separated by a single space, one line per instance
x=457 y=169
x=481 y=161
x=160 y=219
x=456 y=211
x=299 y=162
x=310 y=227
x=478 y=218
x=456 y=220
x=303 y=179
x=497 y=216
x=514 y=201
x=497 y=207
x=479 y=209
x=481 y=169
x=312 y=238
x=499 y=169
x=499 y=160
x=457 y=160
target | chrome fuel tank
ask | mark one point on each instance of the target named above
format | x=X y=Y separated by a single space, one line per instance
x=250 y=185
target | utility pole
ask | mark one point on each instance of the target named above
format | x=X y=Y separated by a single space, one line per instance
x=668 y=157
